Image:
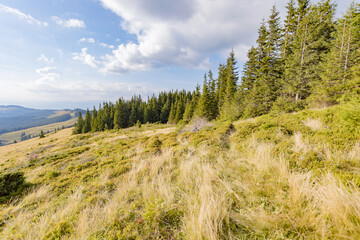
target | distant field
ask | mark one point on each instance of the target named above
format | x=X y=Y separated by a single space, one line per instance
x=8 y=138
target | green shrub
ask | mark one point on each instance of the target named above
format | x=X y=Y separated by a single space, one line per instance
x=12 y=185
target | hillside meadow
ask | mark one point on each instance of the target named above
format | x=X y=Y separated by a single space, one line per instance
x=278 y=176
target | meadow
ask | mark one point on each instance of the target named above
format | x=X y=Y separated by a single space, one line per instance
x=278 y=176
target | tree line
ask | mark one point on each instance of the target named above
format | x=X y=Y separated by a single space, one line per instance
x=311 y=59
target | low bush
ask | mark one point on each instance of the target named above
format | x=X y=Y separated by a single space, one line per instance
x=12 y=185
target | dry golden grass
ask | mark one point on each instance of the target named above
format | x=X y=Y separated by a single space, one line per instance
x=228 y=187
x=314 y=124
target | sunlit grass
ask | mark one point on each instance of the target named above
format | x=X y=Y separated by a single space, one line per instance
x=292 y=176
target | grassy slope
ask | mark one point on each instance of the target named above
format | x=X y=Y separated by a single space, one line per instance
x=288 y=176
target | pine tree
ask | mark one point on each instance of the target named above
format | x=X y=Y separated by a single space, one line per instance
x=180 y=108
x=290 y=26
x=87 y=122
x=165 y=111
x=121 y=116
x=311 y=44
x=191 y=107
x=228 y=109
x=203 y=108
x=232 y=76
x=336 y=69
x=248 y=79
x=94 y=123
x=213 y=98
x=257 y=100
x=221 y=85
x=79 y=125
x=172 y=113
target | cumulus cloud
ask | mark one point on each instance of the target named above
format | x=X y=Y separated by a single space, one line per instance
x=30 y=19
x=70 y=23
x=45 y=59
x=88 y=40
x=85 y=58
x=182 y=32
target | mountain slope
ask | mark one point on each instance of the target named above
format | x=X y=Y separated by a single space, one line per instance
x=273 y=177
x=14 y=119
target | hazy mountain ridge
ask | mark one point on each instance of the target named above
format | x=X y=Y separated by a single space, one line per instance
x=16 y=118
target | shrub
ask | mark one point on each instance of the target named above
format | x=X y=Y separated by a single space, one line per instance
x=41 y=134
x=11 y=185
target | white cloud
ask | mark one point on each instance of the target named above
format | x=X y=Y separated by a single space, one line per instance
x=105 y=45
x=30 y=19
x=45 y=59
x=80 y=91
x=183 y=32
x=48 y=75
x=85 y=58
x=70 y=23
x=88 y=40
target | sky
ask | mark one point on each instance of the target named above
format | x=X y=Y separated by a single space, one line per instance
x=59 y=54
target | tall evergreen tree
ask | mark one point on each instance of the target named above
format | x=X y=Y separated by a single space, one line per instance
x=172 y=113
x=180 y=108
x=94 y=123
x=213 y=98
x=191 y=107
x=264 y=69
x=121 y=115
x=203 y=108
x=79 y=125
x=87 y=122
x=221 y=85
x=290 y=26
x=336 y=68
x=248 y=79
x=165 y=111
x=310 y=46
x=231 y=76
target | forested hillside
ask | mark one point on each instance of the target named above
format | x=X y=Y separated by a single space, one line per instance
x=309 y=60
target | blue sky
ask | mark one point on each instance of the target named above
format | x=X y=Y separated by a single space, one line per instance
x=78 y=53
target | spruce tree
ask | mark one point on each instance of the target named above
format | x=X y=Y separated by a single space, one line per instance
x=79 y=125
x=228 y=108
x=172 y=113
x=94 y=123
x=290 y=26
x=336 y=72
x=310 y=46
x=191 y=107
x=165 y=111
x=121 y=116
x=221 y=85
x=213 y=98
x=180 y=108
x=87 y=122
x=248 y=79
x=258 y=96
x=203 y=108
